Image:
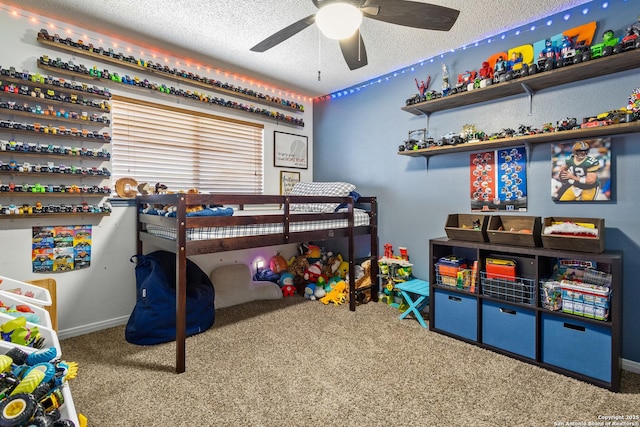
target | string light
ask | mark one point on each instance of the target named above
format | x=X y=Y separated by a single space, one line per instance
x=412 y=68
x=53 y=26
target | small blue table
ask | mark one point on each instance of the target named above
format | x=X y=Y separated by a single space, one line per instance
x=417 y=287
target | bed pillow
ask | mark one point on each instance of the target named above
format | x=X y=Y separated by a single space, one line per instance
x=333 y=189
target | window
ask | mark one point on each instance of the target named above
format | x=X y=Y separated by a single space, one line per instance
x=185 y=149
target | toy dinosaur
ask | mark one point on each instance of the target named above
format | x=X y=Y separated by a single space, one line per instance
x=337 y=295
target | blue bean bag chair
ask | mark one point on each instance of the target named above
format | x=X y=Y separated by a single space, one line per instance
x=153 y=319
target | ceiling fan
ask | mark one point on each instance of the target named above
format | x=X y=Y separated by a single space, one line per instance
x=401 y=12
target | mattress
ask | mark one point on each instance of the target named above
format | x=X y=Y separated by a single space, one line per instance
x=360 y=218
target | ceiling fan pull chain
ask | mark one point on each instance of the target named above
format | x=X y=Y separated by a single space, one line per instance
x=319 y=42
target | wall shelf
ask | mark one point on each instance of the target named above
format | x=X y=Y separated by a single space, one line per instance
x=568 y=135
x=41 y=154
x=570 y=74
x=53 y=215
x=52 y=195
x=173 y=77
x=31 y=83
x=256 y=113
x=53 y=175
x=49 y=118
x=54 y=135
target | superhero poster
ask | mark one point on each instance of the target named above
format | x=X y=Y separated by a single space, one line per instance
x=581 y=171
x=499 y=180
x=60 y=248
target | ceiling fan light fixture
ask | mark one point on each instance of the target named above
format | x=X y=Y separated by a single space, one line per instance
x=338 y=21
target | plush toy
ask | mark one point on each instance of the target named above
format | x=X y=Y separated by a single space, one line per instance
x=365 y=278
x=149 y=209
x=285 y=279
x=313 y=272
x=160 y=188
x=169 y=209
x=331 y=266
x=309 y=291
x=144 y=188
x=343 y=267
x=332 y=283
x=193 y=208
x=319 y=292
x=312 y=252
x=297 y=267
x=337 y=295
x=364 y=281
x=287 y=285
x=278 y=264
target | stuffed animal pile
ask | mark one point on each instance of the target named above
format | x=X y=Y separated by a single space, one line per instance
x=314 y=273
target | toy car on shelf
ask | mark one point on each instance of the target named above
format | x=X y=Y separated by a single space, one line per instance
x=630 y=41
x=450 y=138
x=471 y=134
x=567 y=124
x=614 y=116
x=604 y=48
x=417 y=139
x=502 y=71
x=548 y=58
x=466 y=81
x=526 y=130
x=503 y=133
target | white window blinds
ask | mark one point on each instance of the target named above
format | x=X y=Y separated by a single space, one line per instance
x=185 y=149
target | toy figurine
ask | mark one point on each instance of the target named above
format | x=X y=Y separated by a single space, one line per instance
x=446 y=87
x=605 y=48
x=388 y=250
x=548 y=56
x=501 y=70
x=566 y=50
x=422 y=87
x=485 y=75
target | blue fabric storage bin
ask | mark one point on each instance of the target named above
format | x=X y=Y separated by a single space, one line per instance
x=509 y=328
x=576 y=345
x=456 y=313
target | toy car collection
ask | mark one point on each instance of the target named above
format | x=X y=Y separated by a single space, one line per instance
x=567 y=52
x=470 y=133
x=133 y=80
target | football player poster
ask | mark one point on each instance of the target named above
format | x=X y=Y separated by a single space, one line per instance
x=581 y=171
x=498 y=180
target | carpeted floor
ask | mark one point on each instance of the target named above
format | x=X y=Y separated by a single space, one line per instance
x=294 y=362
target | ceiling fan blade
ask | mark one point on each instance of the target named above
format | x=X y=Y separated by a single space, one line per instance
x=411 y=14
x=354 y=51
x=284 y=34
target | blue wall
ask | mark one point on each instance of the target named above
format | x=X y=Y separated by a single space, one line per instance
x=356 y=139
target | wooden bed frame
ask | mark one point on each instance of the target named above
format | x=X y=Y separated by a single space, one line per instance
x=183 y=247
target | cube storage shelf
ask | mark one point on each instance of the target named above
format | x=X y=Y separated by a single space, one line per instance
x=512 y=316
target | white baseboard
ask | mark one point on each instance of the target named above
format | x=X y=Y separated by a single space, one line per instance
x=631 y=366
x=92 y=327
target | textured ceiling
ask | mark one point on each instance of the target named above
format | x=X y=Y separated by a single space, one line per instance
x=220 y=34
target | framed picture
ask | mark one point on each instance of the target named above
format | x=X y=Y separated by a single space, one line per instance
x=287 y=181
x=498 y=180
x=581 y=171
x=290 y=150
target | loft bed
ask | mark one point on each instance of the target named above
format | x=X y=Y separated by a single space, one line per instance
x=256 y=221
